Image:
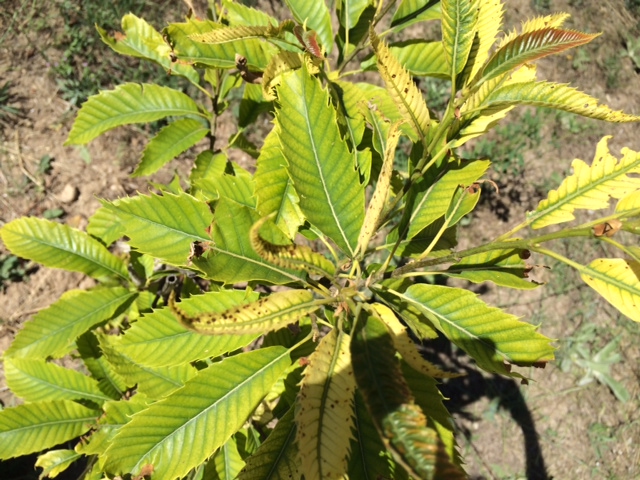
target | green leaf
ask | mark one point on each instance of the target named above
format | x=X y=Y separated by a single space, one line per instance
x=152 y=336
x=422 y=58
x=155 y=382
x=487 y=334
x=276 y=458
x=171 y=141
x=198 y=418
x=324 y=409
x=433 y=202
x=105 y=226
x=52 y=331
x=230 y=257
x=269 y=313
x=558 y=96
x=502 y=267
x=414 y=11
x=274 y=189
x=399 y=421
x=141 y=40
x=60 y=246
x=109 y=381
x=36 y=380
x=369 y=459
x=226 y=463
x=252 y=105
x=589 y=187
x=36 y=426
x=459 y=19
x=239 y=14
x=221 y=55
x=430 y=400
x=55 y=462
x=618 y=281
x=316 y=16
x=351 y=10
x=116 y=415
x=319 y=161
x=128 y=103
x=239 y=187
x=530 y=46
x=164 y=226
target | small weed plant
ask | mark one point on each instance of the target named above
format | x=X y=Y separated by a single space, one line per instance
x=263 y=323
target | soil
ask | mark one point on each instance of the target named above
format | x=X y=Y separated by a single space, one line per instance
x=551 y=428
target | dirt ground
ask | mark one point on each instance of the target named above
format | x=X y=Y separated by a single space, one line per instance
x=552 y=428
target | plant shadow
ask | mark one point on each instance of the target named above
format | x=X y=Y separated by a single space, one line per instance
x=464 y=391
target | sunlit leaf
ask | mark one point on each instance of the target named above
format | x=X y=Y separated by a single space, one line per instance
x=198 y=418
x=319 y=162
x=156 y=333
x=60 y=246
x=316 y=16
x=590 y=187
x=171 y=141
x=488 y=334
x=126 y=104
x=531 y=46
x=618 y=281
x=52 y=331
x=268 y=313
x=37 y=380
x=403 y=90
x=558 y=96
x=36 y=426
x=141 y=40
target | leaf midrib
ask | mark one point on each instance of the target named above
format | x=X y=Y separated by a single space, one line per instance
x=312 y=139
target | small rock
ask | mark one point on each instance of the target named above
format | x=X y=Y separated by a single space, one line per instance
x=68 y=194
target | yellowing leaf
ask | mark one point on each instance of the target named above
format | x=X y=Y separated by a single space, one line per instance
x=54 y=462
x=370 y=224
x=458 y=30
x=618 y=281
x=403 y=90
x=295 y=257
x=555 y=20
x=589 y=187
x=531 y=46
x=324 y=409
x=407 y=348
x=558 y=96
x=269 y=313
x=490 y=14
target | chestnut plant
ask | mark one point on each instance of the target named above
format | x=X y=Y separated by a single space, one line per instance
x=264 y=321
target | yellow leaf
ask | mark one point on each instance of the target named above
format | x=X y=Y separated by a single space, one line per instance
x=324 y=410
x=406 y=95
x=269 y=313
x=589 y=187
x=618 y=281
x=629 y=204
